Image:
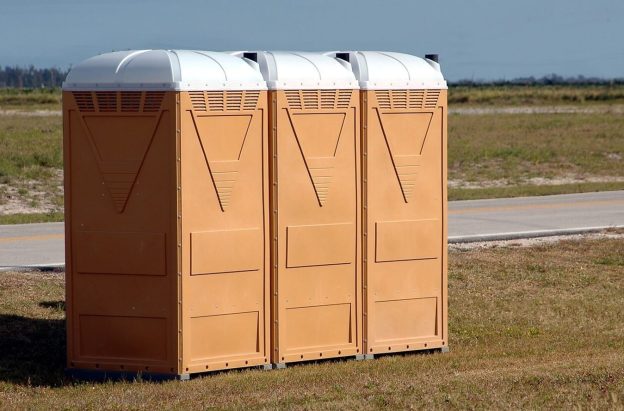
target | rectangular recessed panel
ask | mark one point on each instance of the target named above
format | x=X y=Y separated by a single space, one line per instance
x=408 y=240
x=405 y=319
x=226 y=251
x=310 y=245
x=98 y=252
x=224 y=335
x=317 y=326
x=137 y=338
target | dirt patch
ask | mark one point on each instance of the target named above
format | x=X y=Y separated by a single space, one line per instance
x=616 y=234
x=32 y=196
x=476 y=111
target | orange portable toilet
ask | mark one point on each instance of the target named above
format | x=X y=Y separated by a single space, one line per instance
x=315 y=212
x=404 y=208
x=166 y=214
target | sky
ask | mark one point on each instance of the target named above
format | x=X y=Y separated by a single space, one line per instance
x=476 y=39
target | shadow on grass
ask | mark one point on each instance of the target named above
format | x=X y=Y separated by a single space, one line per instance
x=32 y=351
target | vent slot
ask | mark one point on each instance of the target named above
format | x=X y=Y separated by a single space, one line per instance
x=224 y=101
x=234 y=100
x=404 y=99
x=344 y=98
x=431 y=100
x=294 y=99
x=198 y=100
x=84 y=100
x=216 y=101
x=114 y=101
x=318 y=99
x=106 y=101
x=250 y=101
x=131 y=101
x=153 y=100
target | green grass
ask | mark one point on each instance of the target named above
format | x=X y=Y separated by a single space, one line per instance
x=30 y=147
x=537 y=327
x=28 y=218
x=517 y=147
x=31 y=161
x=535 y=95
x=530 y=190
x=30 y=99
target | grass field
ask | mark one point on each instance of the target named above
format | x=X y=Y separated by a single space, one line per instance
x=490 y=155
x=30 y=99
x=537 y=327
x=31 y=163
x=535 y=95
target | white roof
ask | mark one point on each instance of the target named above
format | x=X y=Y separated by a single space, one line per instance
x=294 y=70
x=164 y=70
x=381 y=70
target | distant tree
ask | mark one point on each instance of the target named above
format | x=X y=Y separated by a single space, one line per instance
x=549 y=80
x=31 y=77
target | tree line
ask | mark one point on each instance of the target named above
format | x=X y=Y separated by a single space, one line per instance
x=31 y=77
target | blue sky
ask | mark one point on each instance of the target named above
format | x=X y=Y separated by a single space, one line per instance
x=481 y=39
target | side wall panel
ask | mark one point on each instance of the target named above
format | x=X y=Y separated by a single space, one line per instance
x=120 y=223
x=316 y=226
x=225 y=251
x=404 y=187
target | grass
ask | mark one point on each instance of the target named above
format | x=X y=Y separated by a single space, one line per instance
x=537 y=327
x=30 y=99
x=26 y=218
x=529 y=190
x=535 y=95
x=31 y=163
x=517 y=147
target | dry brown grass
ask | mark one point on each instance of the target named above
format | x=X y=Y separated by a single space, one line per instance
x=535 y=327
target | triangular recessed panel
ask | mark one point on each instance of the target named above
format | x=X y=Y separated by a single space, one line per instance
x=121 y=144
x=222 y=139
x=318 y=135
x=405 y=135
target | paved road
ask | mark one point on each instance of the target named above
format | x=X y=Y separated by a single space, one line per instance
x=475 y=220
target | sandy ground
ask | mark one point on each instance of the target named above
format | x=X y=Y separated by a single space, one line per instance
x=578 y=109
x=29 y=197
x=530 y=242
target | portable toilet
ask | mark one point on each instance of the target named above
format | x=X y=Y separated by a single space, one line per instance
x=404 y=208
x=165 y=214
x=315 y=196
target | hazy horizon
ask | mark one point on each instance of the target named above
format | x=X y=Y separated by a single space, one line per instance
x=481 y=40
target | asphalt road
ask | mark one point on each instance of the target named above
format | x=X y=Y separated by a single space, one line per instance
x=474 y=220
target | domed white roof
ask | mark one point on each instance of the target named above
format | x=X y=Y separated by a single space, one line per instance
x=164 y=70
x=295 y=70
x=381 y=70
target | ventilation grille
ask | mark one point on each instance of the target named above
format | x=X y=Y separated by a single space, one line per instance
x=84 y=100
x=119 y=101
x=224 y=100
x=318 y=99
x=407 y=99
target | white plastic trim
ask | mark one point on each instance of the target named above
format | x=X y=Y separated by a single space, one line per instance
x=286 y=70
x=376 y=70
x=176 y=70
